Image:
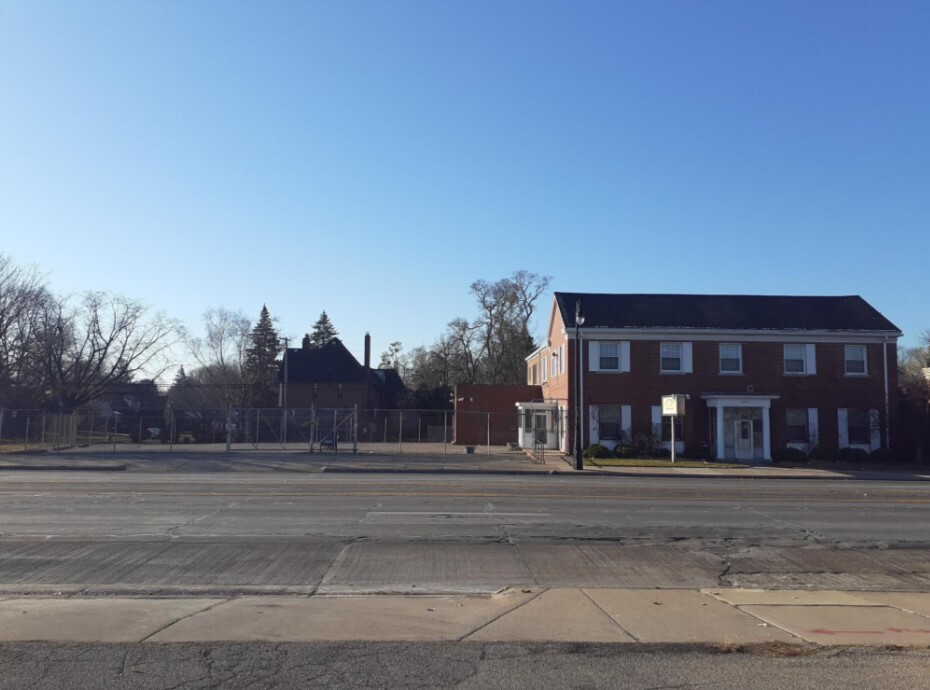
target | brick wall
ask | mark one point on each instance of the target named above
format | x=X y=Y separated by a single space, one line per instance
x=763 y=373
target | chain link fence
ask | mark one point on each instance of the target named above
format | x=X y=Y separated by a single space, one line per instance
x=335 y=430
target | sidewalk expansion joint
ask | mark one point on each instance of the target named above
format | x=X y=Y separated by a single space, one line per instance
x=612 y=619
x=464 y=637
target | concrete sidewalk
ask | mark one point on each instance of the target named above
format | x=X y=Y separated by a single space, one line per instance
x=710 y=616
x=499 y=461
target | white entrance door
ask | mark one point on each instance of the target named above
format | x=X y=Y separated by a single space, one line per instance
x=744 y=439
x=541 y=424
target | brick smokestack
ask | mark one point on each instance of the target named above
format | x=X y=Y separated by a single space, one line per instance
x=367 y=351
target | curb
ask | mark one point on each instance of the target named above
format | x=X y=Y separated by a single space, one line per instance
x=63 y=468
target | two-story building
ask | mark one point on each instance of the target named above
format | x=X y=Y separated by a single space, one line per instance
x=761 y=372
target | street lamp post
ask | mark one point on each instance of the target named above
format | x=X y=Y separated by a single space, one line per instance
x=579 y=321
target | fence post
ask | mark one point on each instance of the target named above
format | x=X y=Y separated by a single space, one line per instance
x=90 y=440
x=42 y=438
x=140 y=430
x=400 y=433
x=335 y=438
x=312 y=426
x=26 y=440
x=355 y=430
x=115 y=428
x=173 y=430
x=445 y=430
x=489 y=433
x=2 y=412
x=229 y=428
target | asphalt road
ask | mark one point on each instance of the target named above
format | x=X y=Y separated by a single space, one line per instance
x=463 y=507
x=449 y=665
x=351 y=533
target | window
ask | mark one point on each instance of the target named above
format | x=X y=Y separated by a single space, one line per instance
x=609 y=356
x=796 y=418
x=667 y=429
x=731 y=358
x=670 y=357
x=561 y=359
x=795 y=359
x=534 y=374
x=857 y=426
x=609 y=422
x=855 y=360
x=544 y=369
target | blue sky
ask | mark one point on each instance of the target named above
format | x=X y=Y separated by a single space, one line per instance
x=374 y=158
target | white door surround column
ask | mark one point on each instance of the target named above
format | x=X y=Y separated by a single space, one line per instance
x=721 y=401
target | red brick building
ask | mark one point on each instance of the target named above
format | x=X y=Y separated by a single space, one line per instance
x=762 y=373
x=487 y=411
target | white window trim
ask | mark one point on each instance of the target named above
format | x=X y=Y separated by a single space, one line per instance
x=808 y=357
x=544 y=368
x=623 y=360
x=865 y=361
x=685 y=357
x=739 y=346
x=561 y=359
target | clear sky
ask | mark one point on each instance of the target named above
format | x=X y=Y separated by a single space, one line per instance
x=374 y=158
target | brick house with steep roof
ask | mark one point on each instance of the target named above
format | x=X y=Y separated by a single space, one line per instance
x=329 y=377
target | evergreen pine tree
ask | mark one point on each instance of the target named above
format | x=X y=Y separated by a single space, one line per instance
x=261 y=360
x=323 y=331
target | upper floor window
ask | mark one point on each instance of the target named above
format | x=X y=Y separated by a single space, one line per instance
x=609 y=356
x=795 y=359
x=731 y=358
x=855 y=359
x=671 y=357
x=534 y=375
x=561 y=359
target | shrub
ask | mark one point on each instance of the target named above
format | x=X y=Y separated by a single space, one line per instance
x=643 y=444
x=699 y=452
x=625 y=452
x=881 y=456
x=596 y=450
x=789 y=456
x=661 y=453
x=853 y=455
x=824 y=454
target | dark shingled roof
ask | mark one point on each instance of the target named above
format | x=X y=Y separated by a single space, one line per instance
x=724 y=312
x=331 y=363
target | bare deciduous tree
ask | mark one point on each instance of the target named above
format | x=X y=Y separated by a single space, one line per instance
x=221 y=354
x=104 y=339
